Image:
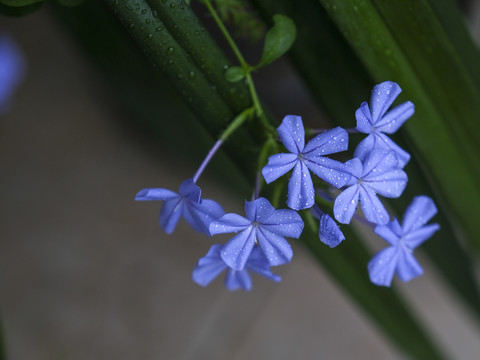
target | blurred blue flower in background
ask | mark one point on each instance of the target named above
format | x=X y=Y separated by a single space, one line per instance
x=12 y=67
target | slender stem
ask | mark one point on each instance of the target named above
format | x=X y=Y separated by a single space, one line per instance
x=253 y=93
x=227 y=35
x=235 y=124
x=207 y=159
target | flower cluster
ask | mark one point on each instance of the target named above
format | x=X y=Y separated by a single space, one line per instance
x=260 y=236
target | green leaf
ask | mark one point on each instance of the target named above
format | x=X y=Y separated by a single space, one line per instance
x=19 y=3
x=235 y=73
x=278 y=40
x=19 y=11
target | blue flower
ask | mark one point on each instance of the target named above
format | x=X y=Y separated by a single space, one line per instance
x=303 y=158
x=211 y=265
x=328 y=232
x=188 y=203
x=263 y=225
x=403 y=240
x=11 y=69
x=379 y=173
x=376 y=121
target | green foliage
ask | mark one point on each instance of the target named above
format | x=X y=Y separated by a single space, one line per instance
x=20 y=3
x=278 y=40
x=19 y=11
x=235 y=73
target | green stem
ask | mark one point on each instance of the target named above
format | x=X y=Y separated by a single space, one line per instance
x=248 y=69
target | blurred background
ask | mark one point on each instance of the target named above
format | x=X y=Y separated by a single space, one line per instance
x=87 y=273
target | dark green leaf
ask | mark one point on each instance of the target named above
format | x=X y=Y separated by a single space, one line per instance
x=234 y=74
x=19 y=3
x=19 y=11
x=278 y=40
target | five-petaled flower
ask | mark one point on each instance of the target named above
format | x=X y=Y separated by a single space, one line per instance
x=263 y=225
x=403 y=240
x=376 y=121
x=212 y=264
x=188 y=203
x=379 y=173
x=305 y=158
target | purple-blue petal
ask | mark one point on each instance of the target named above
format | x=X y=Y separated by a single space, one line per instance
x=200 y=215
x=190 y=190
x=236 y=251
x=372 y=207
x=389 y=184
x=418 y=213
x=209 y=266
x=416 y=237
x=346 y=204
x=382 y=266
x=395 y=118
x=330 y=142
x=391 y=232
x=301 y=194
x=383 y=96
x=407 y=266
x=329 y=232
x=155 y=194
x=292 y=133
x=276 y=249
x=229 y=223
x=284 y=222
x=238 y=279
x=258 y=263
x=364 y=118
x=354 y=168
x=258 y=210
x=278 y=165
x=379 y=161
x=382 y=141
x=170 y=214
x=333 y=172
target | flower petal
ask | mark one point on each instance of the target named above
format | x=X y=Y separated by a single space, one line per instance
x=418 y=213
x=155 y=194
x=392 y=232
x=329 y=232
x=418 y=236
x=379 y=161
x=346 y=204
x=365 y=147
x=330 y=142
x=200 y=215
x=258 y=210
x=278 y=165
x=12 y=67
x=284 y=222
x=382 y=266
x=395 y=118
x=301 y=194
x=190 y=190
x=236 y=251
x=372 y=207
x=333 y=172
x=170 y=214
x=209 y=266
x=238 y=279
x=228 y=223
x=364 y=118
x=276 y=249
x=389 y=184
x=407 y=266
x=383 y=96
x=292 y=133
x=382 y=141
x=258 y=263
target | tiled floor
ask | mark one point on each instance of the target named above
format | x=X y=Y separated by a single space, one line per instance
x=86 y=273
